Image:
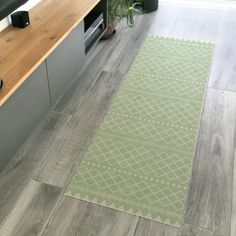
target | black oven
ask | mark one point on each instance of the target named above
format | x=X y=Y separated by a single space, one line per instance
x=95 y=25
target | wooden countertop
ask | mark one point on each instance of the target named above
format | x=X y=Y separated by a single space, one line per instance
x=23 y=50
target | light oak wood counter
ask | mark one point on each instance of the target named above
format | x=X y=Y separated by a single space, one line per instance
x=23 y=50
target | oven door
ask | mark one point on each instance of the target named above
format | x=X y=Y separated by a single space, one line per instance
x=94 y=32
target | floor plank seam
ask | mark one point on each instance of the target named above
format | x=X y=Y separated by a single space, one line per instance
x=84 y=98
x=136 y=227
x=223 y=90
x=90 y=135
x=36 y=170
x=233 y=201
x=11 y=211
x=51 y=214
x=204 y=229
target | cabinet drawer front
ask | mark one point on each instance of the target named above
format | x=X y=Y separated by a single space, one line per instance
x=66 y=62
x=22 y=112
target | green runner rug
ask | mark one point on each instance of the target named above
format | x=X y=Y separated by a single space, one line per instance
x=141 y=156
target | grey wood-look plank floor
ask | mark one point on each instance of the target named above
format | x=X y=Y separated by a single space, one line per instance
x=31 y=187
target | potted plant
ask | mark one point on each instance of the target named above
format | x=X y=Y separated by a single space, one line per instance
x=118 y=9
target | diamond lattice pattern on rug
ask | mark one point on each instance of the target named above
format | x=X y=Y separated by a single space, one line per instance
x=140 y=158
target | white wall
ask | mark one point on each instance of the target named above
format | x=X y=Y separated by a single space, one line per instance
x=31 y=3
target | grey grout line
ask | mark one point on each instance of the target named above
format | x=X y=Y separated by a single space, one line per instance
x=53 y=210
x=223 y=90
x=202 y=228
x=233 y=208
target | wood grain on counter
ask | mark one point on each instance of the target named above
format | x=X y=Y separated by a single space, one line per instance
x=23 y=50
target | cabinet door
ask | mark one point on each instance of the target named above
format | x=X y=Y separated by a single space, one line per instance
x=66 y=62
x=22 y=112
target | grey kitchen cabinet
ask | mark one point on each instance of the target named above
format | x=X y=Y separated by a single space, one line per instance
x=66 y=62
x=22 y=112
x=32 y=101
